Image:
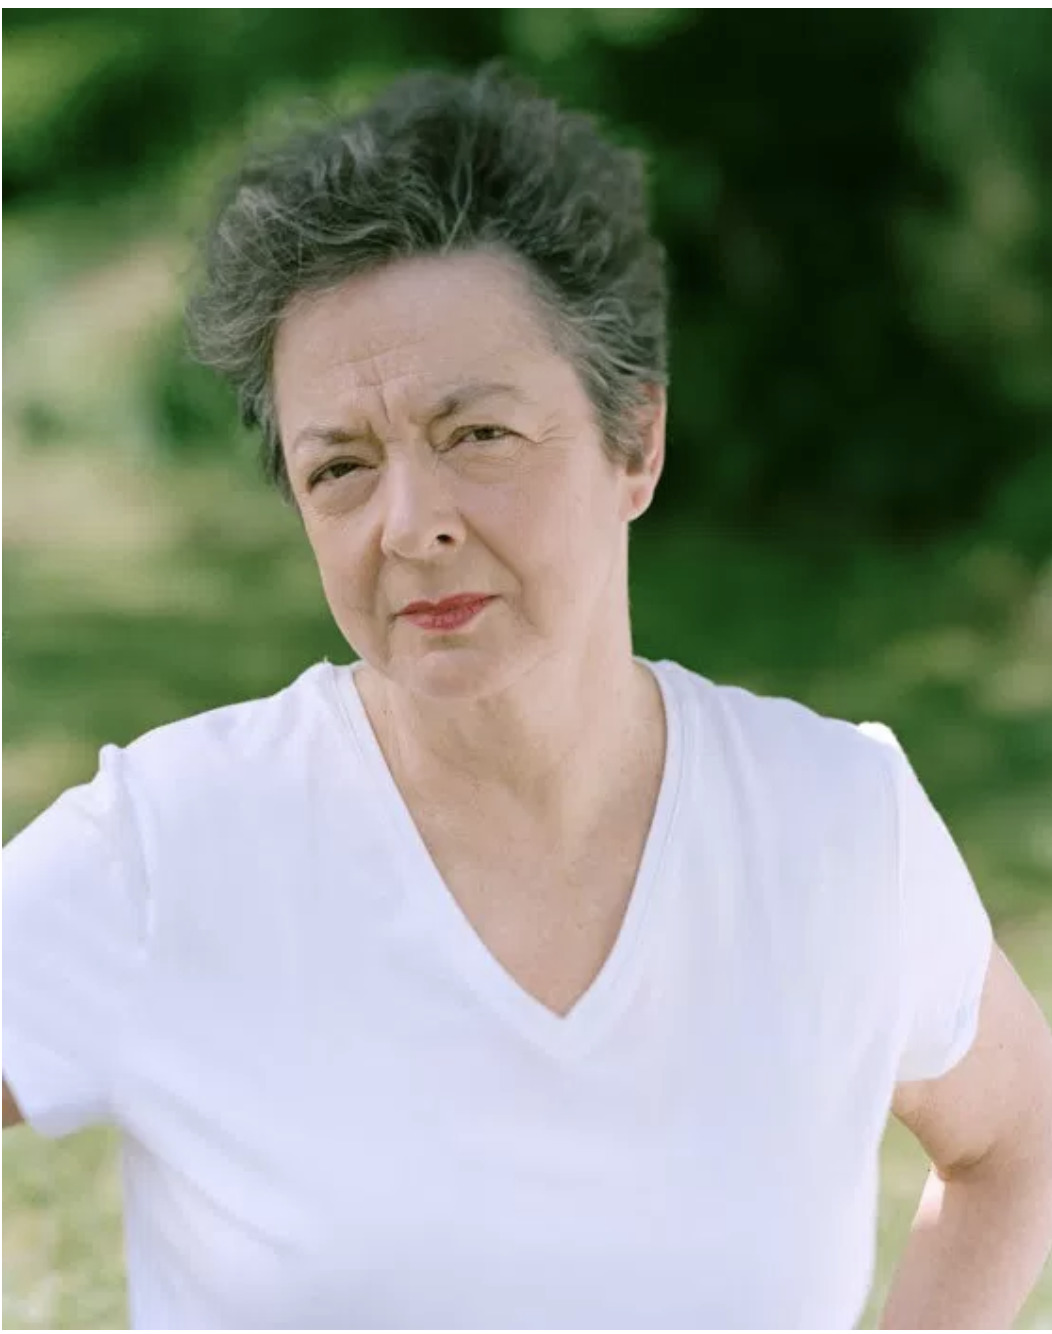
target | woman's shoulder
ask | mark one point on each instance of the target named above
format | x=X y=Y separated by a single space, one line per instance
x=239 y=743
x=243 y=724
x=777 y=735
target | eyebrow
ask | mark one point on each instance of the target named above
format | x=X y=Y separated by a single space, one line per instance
x=450 y=404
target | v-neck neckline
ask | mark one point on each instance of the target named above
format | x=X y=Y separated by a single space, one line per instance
x=599 y=1005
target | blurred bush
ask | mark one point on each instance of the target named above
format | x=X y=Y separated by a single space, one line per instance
x=854 y=203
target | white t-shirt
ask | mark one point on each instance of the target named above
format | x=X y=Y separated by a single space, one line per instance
x=339 y=1111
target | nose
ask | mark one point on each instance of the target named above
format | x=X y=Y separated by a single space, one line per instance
x=419 y=516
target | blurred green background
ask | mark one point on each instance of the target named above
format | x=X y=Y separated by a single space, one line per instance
x=857 y=508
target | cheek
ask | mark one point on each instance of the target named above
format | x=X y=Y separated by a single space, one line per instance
x=345 y=571
x=525 y=526
x=556 y=539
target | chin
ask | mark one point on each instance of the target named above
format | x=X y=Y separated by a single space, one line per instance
x=453 y=671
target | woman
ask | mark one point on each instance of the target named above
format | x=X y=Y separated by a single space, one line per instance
x=505 y=979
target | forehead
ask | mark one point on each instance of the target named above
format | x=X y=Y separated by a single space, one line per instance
x=410 y=329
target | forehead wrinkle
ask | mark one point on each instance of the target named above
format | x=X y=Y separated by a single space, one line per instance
x=358 y=400
x=446 y=404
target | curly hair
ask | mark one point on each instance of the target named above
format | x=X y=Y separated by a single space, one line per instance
x=442 y=163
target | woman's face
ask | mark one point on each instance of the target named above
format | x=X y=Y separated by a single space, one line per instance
x=437 y=445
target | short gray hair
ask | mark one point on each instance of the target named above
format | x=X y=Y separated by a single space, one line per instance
x=443 y=163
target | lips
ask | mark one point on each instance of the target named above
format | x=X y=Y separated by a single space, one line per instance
x=446 y=605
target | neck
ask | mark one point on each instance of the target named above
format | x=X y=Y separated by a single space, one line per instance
x=553 y=749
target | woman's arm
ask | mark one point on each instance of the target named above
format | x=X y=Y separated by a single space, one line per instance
x=984 y=1227
x=12 y=1111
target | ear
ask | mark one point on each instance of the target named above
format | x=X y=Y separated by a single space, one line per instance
x=642 y=477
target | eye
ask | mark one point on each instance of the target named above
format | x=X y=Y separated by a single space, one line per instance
x=483 y=434
x=330 y=471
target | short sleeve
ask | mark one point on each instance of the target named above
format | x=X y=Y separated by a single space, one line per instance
x=73 y=933
x=945 y=932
